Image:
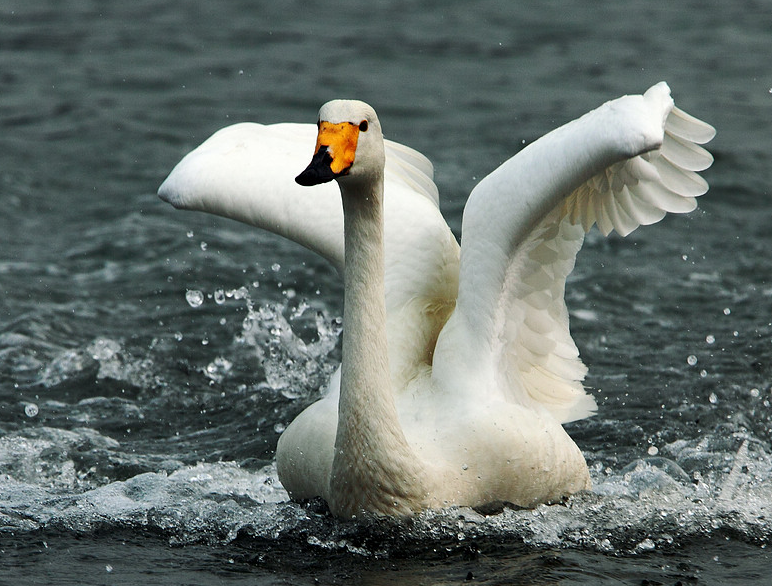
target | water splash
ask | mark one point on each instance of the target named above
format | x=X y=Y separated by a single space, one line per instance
x=107 y=356
x=294 y=352
x=716 y=484
x=218 y=369
x=652 y=504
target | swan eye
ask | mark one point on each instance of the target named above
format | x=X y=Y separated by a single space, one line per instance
x=363 y=126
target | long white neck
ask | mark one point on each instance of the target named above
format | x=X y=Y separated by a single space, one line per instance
x=374 y=469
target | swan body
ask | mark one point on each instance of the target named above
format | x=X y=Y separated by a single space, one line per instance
x=458 y=366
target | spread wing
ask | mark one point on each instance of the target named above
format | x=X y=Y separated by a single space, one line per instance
x=622 y=165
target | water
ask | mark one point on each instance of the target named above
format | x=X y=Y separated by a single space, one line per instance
x=149 y=358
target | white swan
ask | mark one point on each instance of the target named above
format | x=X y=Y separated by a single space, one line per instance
x=464 y=404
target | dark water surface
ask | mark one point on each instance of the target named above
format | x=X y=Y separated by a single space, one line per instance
x=137 y=431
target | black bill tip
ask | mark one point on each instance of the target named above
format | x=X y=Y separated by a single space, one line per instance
x=318 y=171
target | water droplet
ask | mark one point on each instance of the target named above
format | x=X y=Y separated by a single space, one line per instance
x=653 y=450
x=203 y=245
x=464 y=467
x=710 y=339
x=219 y=296
x=684 y=257
x=755 y=392
x=31 y=410
x=275 y=267
x=194 y=297
x=190 y=233
x=108 y=568
x=727 y=311
x=703 y=373
x=713 y=398
x=279 y=427
x=178 y=336
x=646 y=544
x=691 y=360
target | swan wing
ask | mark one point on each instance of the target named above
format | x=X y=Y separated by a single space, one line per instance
x=247 y=171
x=622 y=165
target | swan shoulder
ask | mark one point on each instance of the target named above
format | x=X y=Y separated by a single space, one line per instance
x=411 y=168
x=622 y=165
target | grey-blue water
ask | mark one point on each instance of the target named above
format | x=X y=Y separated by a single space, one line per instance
x=137 y=432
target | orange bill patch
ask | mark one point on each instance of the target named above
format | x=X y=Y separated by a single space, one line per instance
x=341 y=142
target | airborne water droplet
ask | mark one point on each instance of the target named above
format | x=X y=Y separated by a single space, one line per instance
x=194 y=297
x=31 y=410
x=691 y=360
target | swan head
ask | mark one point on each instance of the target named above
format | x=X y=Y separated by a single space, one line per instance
x=349 y=144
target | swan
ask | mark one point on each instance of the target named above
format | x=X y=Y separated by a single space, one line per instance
x=458 y=368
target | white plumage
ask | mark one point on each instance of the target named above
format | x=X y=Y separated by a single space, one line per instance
x=482 y=368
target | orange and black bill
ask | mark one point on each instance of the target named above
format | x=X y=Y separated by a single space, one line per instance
x=336 y=146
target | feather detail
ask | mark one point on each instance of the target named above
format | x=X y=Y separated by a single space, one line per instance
x=624 y=165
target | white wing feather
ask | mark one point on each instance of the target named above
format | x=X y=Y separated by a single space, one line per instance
x=623 y=165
